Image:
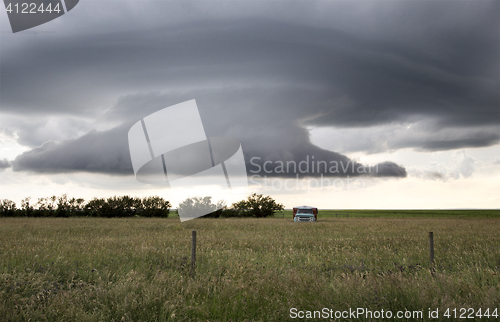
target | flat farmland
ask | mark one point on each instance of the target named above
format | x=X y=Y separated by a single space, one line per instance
x=465 y=213
x=139 y=269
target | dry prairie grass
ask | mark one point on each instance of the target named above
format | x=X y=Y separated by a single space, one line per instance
x=87 y=269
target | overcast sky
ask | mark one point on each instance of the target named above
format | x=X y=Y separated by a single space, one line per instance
x=409 y=87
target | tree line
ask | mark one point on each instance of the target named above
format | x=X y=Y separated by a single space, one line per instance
x=256 y=205
x=62 y=206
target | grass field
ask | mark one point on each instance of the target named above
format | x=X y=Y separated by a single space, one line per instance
x=469 y=213
x=138 y=269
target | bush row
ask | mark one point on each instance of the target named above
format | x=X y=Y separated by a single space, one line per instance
x=122 y=206
x=256 y=205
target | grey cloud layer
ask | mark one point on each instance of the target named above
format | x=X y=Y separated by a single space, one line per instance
x=421 y=134
x=4 y=164
x=263 y=80
x=103 y=152
x=264 y=139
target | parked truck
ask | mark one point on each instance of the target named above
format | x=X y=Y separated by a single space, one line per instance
x=305 y=213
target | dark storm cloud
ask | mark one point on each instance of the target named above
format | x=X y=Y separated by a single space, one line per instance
x=108 y=152
x=263 y=81
x=105 y=152
x=477 y=142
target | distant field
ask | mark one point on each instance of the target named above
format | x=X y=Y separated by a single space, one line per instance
x=402 y=213
x=138 y=269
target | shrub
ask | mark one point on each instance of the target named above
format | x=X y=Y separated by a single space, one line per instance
x=258 y=206
x=204 y=205
x=7 y=208
x=154 y=207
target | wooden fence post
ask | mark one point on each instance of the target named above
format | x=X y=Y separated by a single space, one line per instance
x=193 y=251
x=431 y=248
